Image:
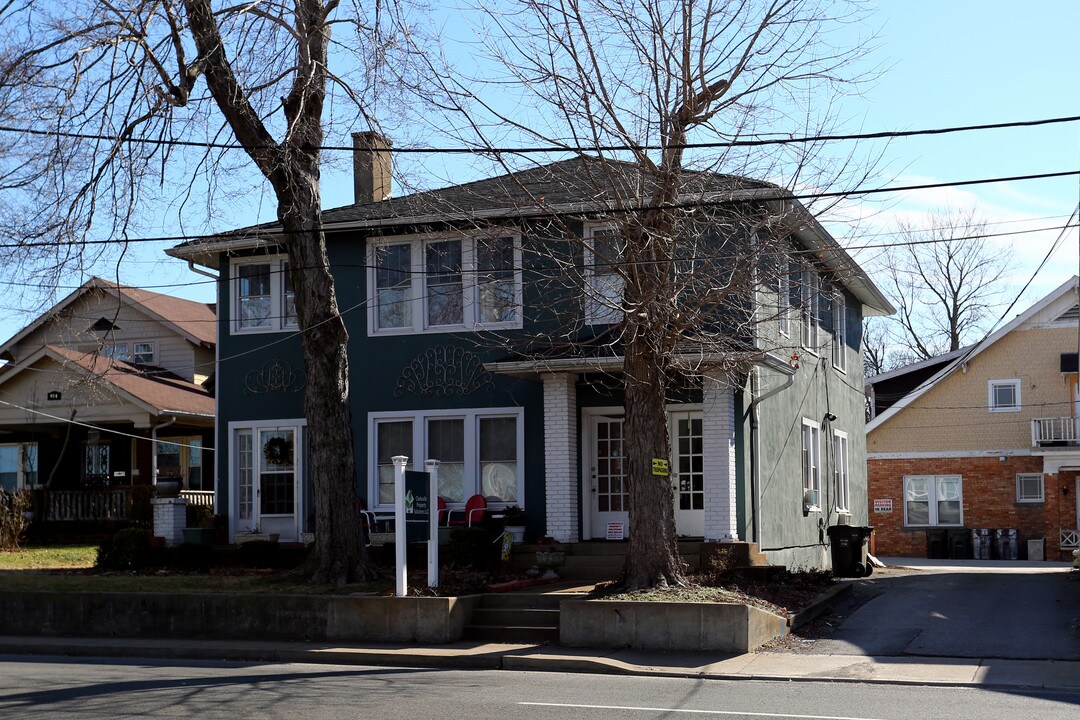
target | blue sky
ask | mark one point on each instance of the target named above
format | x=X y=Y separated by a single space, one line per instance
x=945 y=63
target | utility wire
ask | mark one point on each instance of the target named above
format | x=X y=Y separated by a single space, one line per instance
x=881 y=135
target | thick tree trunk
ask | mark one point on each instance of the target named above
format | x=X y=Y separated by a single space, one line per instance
x=653 y=557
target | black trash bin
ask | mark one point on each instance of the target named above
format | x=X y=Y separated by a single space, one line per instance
x=937 y=544
x=958 y=544
x=849 y=544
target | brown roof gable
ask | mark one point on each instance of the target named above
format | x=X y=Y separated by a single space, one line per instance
x=196 y=319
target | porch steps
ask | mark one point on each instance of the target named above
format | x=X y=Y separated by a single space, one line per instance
x=518 y=617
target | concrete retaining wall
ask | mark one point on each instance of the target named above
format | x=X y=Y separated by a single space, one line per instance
x=310 y=618
x=666 y=625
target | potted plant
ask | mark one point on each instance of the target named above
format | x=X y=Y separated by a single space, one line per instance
x=514 y=519
x=199 y=530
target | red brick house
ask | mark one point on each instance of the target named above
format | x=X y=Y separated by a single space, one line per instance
x=988 y=441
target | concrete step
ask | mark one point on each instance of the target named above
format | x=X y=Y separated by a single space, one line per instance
x=516 y=617
x=510 y=600
x=512 y=634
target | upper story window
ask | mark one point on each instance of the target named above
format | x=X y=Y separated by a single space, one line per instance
x=604 y=291
x=811 y=309
x=443 y=283
x=1004 y=395
x=783 y=300
x=263 y=296
x=839 y=321
x=841 y=471
x=811 y=464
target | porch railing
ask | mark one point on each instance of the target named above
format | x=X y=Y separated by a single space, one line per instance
x=1070 y=538
x=205 y=498
x=84 y=505
x=1053 y=430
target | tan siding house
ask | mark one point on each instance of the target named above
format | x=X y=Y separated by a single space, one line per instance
x=988 y=443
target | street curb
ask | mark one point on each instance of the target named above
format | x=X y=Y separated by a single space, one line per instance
x=820 y=604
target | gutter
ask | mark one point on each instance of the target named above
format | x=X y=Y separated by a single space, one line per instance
x=772 y=363
x=153 y=449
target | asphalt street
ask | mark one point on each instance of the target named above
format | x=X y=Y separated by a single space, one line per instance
x=963 y=614
x=33 y=687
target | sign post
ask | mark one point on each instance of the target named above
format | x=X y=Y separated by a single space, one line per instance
x=401 y=587
x=433 y=523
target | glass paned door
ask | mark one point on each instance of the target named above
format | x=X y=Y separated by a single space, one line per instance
x=688 y=473
x=607 y=475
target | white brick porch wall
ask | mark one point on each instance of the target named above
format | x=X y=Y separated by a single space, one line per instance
x=718 y=430
x=560 y=456
x=170 y=518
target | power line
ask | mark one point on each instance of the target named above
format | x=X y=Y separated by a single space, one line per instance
x=881 y=135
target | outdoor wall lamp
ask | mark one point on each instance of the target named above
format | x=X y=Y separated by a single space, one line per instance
x=830 y=417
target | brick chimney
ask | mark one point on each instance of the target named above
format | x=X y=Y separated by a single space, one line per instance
x=371 y=167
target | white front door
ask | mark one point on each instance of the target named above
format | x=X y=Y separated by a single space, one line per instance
x=688 y=473
x=268 y=463
x=607 y=475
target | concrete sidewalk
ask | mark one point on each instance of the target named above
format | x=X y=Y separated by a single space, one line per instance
x=1063 y=676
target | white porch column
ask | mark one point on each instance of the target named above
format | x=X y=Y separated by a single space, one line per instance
x=561 y=455
x=718 y=431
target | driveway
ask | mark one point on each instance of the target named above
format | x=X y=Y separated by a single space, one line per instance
x=966 y=610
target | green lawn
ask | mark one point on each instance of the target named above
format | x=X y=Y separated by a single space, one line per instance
x=54 y=557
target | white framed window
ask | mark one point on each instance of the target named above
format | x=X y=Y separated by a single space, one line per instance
x=841 y=471
x=783 y=300
x=263 y=299
x=142 y=353
x=117 y=351
x=479 y=452
x=1003 y=395
x=932 y=500
x=18 y=466
x=444 y=282
x=604 y=284
x=839 y=322
x=811 y=309
x=811 y=464
x=181 y=458
x=1030 y=488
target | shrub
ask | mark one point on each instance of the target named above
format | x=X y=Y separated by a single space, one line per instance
x=140 y=510
x=197 y=516
x=260 y=554
x=13 y=520
x=472 y=548
x=194 y=557
x=129 y=549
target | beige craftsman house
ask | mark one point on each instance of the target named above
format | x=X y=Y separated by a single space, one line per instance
x=109 y=388
x=988 y=441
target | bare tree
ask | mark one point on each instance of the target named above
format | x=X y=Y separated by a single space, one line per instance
x=947 y=281
x=687 y=254
x=96 y=75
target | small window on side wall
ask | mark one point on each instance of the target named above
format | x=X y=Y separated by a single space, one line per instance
x=1004 y=395
x=1029 y=488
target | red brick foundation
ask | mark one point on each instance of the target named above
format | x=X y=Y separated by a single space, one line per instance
x=989 y=501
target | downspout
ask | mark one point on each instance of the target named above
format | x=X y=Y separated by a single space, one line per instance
x=755 y=436
x=153 y=446
x=206 y=273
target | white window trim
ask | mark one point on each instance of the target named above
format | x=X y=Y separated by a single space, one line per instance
x=419 y=420
x=153 y=351
x=991 y=384
x=1030 y=500
x=810 y=310
x=469 y=285
x=813 y=482
x=20 y=472
x=839 y=316
x=277 y=295
x=601 y=314
x=783 y=301
x=842 y=471
x=932 y=500
x=299 y=426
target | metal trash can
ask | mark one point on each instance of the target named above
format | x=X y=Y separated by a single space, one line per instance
x=1005 y=541
x=849 y=544
x=981 y=542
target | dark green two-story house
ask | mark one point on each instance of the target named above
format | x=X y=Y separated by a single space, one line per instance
x=483 y=323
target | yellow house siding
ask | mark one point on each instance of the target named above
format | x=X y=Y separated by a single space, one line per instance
x=955 y=414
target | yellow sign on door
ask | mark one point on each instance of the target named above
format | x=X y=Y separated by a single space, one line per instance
x=660 y=467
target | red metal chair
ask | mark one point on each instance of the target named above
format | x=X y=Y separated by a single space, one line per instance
x=444 y=513
x=473 y=514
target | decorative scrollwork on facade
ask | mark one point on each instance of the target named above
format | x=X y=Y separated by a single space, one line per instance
x=276 y=376
x=444 y=371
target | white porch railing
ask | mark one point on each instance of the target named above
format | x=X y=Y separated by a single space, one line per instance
x=87 y=505
x=205 y=498
x=1053 y=430
x=1070 y=538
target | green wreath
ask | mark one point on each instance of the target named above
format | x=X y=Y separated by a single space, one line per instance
x=278 y=451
